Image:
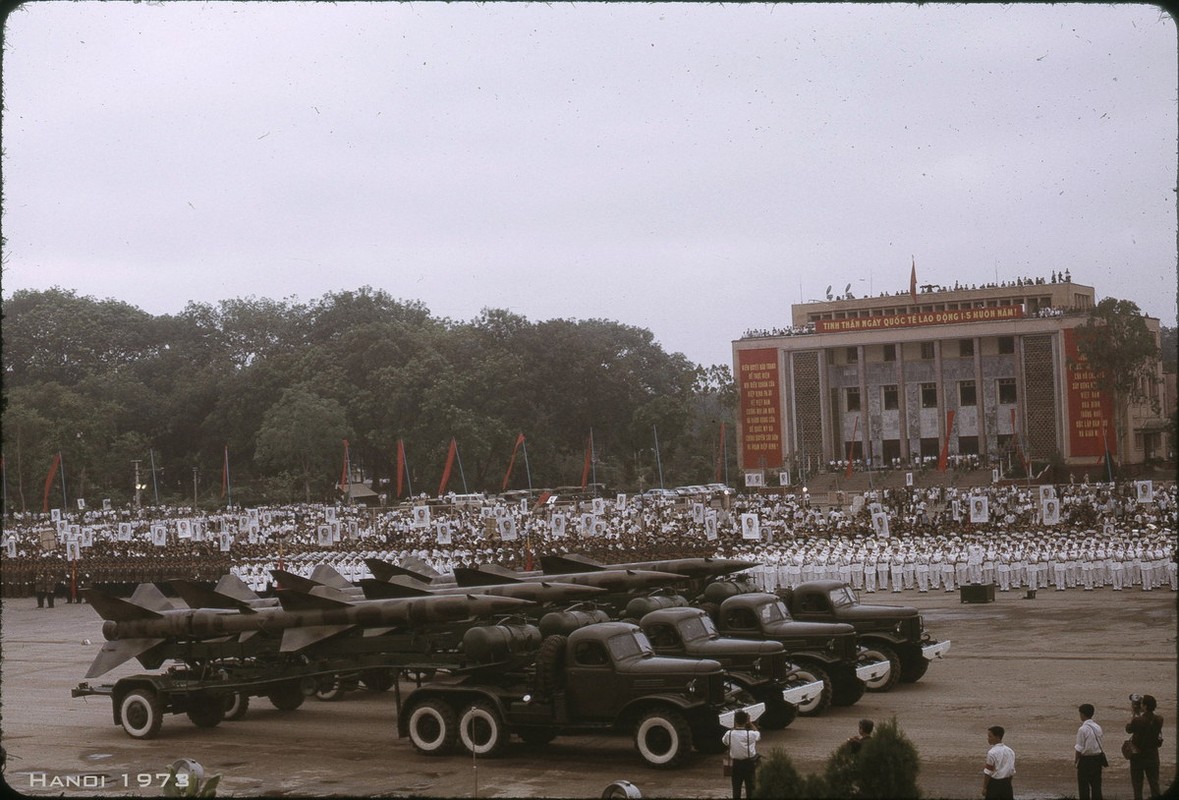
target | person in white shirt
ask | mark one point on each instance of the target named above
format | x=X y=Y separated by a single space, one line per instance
x=1089 y=755
x=742 y=743
x=999 y=767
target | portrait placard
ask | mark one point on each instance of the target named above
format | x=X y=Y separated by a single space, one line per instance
x=710 y=525
x=750 y=526
x=978 y=509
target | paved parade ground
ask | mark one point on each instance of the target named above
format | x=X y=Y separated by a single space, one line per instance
x=1023 y=664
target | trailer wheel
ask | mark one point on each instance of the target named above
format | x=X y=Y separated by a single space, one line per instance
x=206 y=711
x=378 y=680
x=882 y=652
x=813 y=708
x=286 y=695
x=663 y=738
x=330 y=689
x=142 y=713
x=482 y=731
x=236 y=705
x=433 y=728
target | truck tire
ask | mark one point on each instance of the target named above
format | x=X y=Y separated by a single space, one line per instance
x=550 y=664
x=141 y=713
x=813 y=672
x=433 y=728
x=378 y=680
x=536 y=737
x=482 y=731
x=882 y=652
x=663 y=738
x=205 y=711
x=913 y=668
x=331 y=689
x=847 y=689
x=778 y=714
x=286 y=695
x=236 y=705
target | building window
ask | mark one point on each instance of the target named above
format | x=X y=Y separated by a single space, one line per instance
x=966 y=395
x=1006 y=345
x=853 y=355
x=890 y=450
x=930 y=447
x=927 y=350
x=1005 y=442
x=929 y=395
x=966 y=348
x=968 y=445
x=890 y=352
x=853 y=399
x=892 y=397
x=1007 y=394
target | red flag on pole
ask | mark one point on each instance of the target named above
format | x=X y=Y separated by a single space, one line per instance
x=913 y=281
x=49 y=481
x=400 y=464
x=944 y=456
x=589 y=454
x=344 y=470
x=449 y=464
x=855 y=427
x=512 y=462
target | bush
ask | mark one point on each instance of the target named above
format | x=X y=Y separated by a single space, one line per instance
x=888 y=764
x=778 y=778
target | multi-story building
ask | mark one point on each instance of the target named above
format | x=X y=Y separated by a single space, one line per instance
x=987 y=374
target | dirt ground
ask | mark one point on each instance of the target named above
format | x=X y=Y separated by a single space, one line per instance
x=1023 y=664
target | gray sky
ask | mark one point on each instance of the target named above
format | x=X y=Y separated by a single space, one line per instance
x=691 y=169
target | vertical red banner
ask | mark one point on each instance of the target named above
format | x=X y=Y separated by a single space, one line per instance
x=758 y=381
x=512 y=462
x=943 y=457
x=400 y=465
x=1090 y=410
x=449 y=463
x=49 y=481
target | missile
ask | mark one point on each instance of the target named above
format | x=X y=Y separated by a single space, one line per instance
x=613 y=580
x=230 y=592
x=382 y=570
x=132 y=629
x=289 y=580
x=538 y=592
x=707 y=567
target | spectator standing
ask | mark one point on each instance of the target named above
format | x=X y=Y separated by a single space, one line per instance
x=999 y=768
x=1089 y=755
x=1146 y=735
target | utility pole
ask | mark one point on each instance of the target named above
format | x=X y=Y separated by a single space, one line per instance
x=194 y=487
x=137 y=485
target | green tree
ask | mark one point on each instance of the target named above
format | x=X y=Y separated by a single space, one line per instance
x=888 y=764
x=303 y=432
x=1123 y=354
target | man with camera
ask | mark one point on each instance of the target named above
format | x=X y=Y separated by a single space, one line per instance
x=1142 y=748
x=742 y=743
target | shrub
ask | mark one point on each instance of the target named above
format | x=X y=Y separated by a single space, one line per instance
x=888 y=764
x=778 y=778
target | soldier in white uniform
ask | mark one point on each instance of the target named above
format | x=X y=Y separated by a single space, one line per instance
x=1060 y=567
x=988 y=564
x=794 y=568
x=949 y=568
x=1117 y=566
x=870 y=568
x=1003 y=568
x=857 y=569
x=883 y=560
x=921 y=571
x=896 y=569
x=909 y=568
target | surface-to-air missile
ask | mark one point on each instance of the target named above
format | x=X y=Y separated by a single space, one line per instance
x=613 y=580
x=690 y=567
x=537 y=592
x=230 y=592
x=382 y=570
x=148 y=619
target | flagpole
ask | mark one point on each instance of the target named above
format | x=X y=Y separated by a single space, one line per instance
x=61 y=465
x=228 y=482
x=155 y=486
x=458 y=457
x=658 y=459
x=593 y=458
x=527 y=469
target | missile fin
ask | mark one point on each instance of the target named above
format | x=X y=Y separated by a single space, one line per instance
x=570 y=562
x=231 y=585
x=329 y=577
x=148 y=595
x=292 y=600
x=295 y=639
x=395 y=587
x=420 y=568
x=384 y=571
x=466 y=576
x=197 y=596
x=112 y=654
x=115 y=608
x=291 y=581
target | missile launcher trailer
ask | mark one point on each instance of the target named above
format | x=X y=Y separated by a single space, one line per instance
x=603 y=677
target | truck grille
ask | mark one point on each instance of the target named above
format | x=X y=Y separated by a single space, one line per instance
x=716 y=689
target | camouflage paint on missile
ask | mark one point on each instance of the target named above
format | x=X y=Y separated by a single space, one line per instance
x=690 y=567
x=613 y=580
x=539 y=592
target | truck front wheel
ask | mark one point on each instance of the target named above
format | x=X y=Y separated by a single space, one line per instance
x=206 y=712
x=848 y=689
x=433 y=728
x=882 y=652
x=816 y=706
x=913 y=667
x=286 y=695
x=663 y=738
x=141 y=713
x=778 y=714
x=482 y=732
x=236 y=705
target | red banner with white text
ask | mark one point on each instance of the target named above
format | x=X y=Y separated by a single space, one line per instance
x=758 y=380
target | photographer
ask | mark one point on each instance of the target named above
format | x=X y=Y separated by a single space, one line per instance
x=1146 y=736
x=742 y=743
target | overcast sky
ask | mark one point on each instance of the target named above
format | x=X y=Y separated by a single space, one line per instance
x=688 y=168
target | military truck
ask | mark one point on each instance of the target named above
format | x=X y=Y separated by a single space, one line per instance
x=760 y=669
x=892 y=633
x=823 y=651
x=601 y=678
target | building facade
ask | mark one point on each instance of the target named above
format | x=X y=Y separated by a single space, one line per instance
x=989 y=375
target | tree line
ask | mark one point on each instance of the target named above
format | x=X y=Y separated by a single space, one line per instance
x=274 y=387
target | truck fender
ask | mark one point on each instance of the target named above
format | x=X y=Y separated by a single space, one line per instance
x=631 y=712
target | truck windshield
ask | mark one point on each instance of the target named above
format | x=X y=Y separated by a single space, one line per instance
x=843 y=597
x=773 y=612
x=694 y=628
x=629 y=645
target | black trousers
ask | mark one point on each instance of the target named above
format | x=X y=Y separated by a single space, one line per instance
x=1145 y=765
x=999 y=789
x=743 y=772
x=1089 y=778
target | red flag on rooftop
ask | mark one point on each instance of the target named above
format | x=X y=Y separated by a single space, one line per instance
x=512 y=462
x=49 y=481
x=449 y=464
x=913 y=281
